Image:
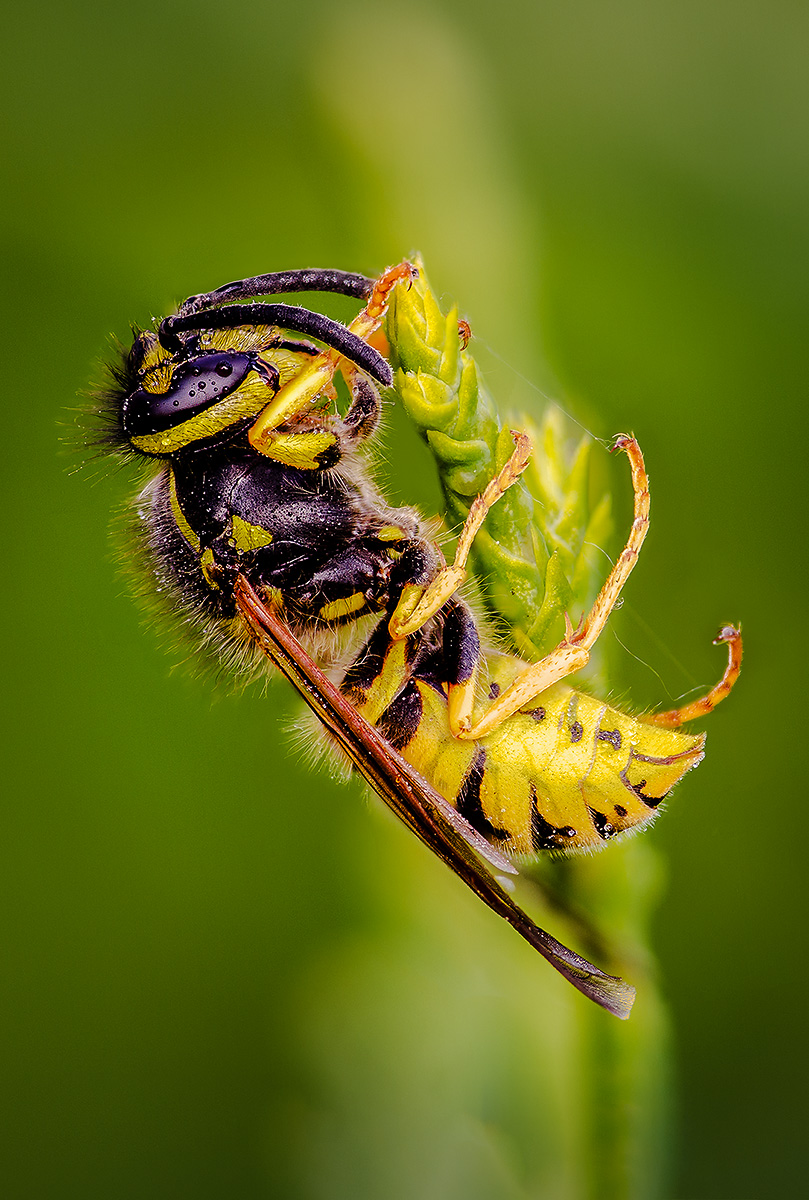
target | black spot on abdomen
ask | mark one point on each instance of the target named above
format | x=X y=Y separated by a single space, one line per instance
x=649 y=801
x=604 y=828
x=545 y=836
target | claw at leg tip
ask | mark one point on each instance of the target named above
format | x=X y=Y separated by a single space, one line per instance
x=621 y=442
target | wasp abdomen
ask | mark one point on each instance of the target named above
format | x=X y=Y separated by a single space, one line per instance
x=572 y=780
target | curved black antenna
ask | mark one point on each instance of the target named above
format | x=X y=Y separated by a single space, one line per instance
x=311 y=279
x=286 y=316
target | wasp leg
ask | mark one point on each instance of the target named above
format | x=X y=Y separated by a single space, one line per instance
x=384 y=667
x=362 y=418
x=573 y=652
x=462 y=660
x=310 y=451
x=700 y=708
x=320 y=448
x=302 y=392
x=418 y=605
x=378 y=675
x=343 y=586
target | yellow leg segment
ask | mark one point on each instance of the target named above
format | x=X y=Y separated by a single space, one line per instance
x=418 y=604
x=302 y=392
x=573 y=652
x=461 y=699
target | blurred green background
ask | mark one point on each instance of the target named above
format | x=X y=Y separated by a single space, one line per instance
x=225 y=976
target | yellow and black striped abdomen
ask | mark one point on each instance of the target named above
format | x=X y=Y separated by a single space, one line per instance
x=567 y=773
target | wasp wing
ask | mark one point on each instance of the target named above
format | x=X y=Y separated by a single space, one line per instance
x=415 y=801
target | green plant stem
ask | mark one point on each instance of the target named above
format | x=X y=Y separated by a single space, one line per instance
x=534 y=560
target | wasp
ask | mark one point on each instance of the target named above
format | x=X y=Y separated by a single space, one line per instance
x=265 y=528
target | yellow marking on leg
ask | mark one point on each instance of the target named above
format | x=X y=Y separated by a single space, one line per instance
x=407 y=617
x=573 y=652
x=461 y=703
x=701 y=707
x=408 y=601
x=384 y=689
x=302 y=450
x=303 y=392
x=342 y=608
x=432 y=599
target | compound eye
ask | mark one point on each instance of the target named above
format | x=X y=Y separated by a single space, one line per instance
x=196 y=385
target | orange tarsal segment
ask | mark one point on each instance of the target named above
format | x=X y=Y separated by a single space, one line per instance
x=379 y=340
x=377 y=303
x=701 y=707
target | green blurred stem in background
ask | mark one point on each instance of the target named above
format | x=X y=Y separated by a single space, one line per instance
x=536 y=558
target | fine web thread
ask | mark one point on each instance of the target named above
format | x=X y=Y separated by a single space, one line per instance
x=659 y=642
x=530 y=383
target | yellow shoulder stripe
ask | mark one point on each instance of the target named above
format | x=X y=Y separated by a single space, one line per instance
x=179 y=516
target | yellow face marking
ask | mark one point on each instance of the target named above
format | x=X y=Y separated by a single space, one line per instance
x=288 y=363
x=342 y=608
x=158 y=364
x=246 y=401
x=154 y=356
x=246 y=537
x=179 y=516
